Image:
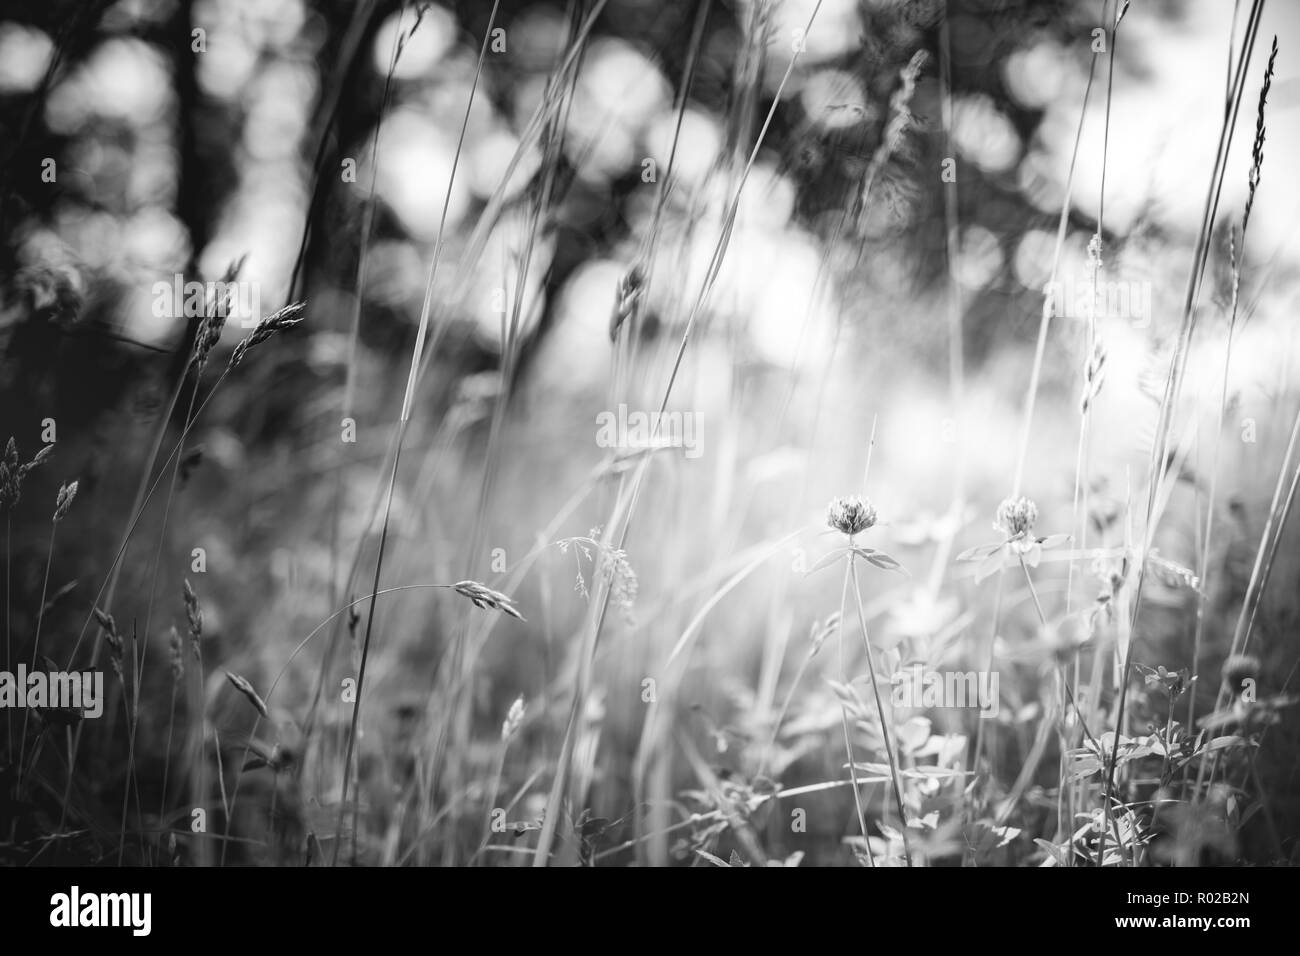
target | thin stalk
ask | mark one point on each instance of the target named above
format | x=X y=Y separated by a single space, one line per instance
x=1178 y=361
x=167 y=754
x=407 y=402
x=880 y=709
x=621 y=516
x=497 y=772
x=40 y=616
x=844 y=720
x=134 y=704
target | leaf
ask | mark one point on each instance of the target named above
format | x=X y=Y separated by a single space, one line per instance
x=1054 y=541
x=913 y=734
x=979 y=552
x=1055 y=853
x=594 y=826
x=1157 y=745
x=1134 y=752
x=1005 y=834
x=990 y=565
x=881 y=560
x=880 y=770
x=827 y=560
x=715 y=860
x=927 y=772
x=1084 y=763
x=1221 y=743
x=1219 y=718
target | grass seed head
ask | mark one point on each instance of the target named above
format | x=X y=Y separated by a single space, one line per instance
x=12 y=473
x=819 y=631
x=483 y=596
x=244 y=687
x=208 y=336
x=514 y=718
x=64 y=501
x=116 y=645
x=106 y=621
x=214 y=320
x=177 y=657
x=281 y=321
x=194 y=615
x=1257 y=148
x=628 y=294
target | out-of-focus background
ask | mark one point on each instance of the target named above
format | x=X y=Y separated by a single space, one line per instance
x=924 y=169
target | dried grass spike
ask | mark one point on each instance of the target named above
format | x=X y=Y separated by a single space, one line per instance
x=107 y=623
x=177 y=658
x=483 y=596
x=514 y=718
x=64 y=501
x=193 y=613
x=281 y=321
x=214 y=321
x=245 y=688
x=1257 y=148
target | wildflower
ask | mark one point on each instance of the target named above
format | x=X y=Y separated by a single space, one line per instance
x=851 y=515
x=1171 y=682
x=1015 y=518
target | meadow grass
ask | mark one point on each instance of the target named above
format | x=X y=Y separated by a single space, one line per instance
x=487 y=717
